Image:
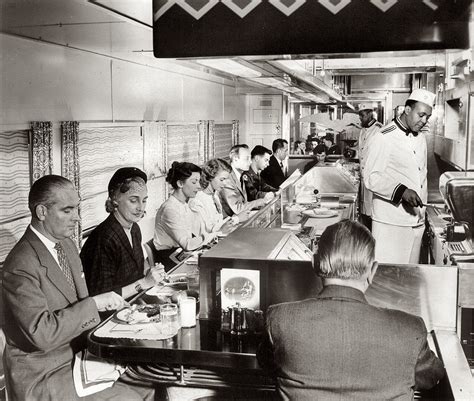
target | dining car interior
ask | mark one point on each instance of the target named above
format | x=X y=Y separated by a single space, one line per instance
x=189 y=188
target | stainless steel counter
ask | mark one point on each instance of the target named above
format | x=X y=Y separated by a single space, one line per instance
x=330 y=180
x=424 y=290
x=459 y=374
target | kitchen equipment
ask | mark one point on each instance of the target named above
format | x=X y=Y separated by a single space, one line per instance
x=450 y=225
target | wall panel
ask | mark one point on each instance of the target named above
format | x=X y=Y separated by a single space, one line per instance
x=197 y=103
x=43 y=82
x=142 y=93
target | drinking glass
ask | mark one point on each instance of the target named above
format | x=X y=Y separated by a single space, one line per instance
x=187 y=309
x=193 y=281
x=169 y=319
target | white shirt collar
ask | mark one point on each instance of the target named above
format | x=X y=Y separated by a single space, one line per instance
x=46 y=241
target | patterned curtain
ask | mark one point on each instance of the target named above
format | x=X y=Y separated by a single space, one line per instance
x=211 y=140
x=235 y=132
x=154 y=149
x=42 y=161
x=203 y=142
x=70 y=164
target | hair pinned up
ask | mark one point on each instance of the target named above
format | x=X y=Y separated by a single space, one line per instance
x=211 y=169
x=180 y=171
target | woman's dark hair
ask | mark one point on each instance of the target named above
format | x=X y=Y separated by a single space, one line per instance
x=180 y=171
x=122 y=187
x=296 y=144
x=211 y=169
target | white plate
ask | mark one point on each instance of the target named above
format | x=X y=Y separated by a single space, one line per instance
x=137 y=316
x=320 y=213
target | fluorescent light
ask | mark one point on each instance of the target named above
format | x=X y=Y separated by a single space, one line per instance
x=231 y=67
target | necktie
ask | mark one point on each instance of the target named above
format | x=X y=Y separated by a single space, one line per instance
x=64 y=265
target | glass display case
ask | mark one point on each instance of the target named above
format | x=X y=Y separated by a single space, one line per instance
x=307 y=204
x=321 y=197
x=255 y=267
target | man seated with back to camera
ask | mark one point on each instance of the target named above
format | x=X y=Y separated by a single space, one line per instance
x=337 y=346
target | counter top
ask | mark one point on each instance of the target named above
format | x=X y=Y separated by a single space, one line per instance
x=459 y=374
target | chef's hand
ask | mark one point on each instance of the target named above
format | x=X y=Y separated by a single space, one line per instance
x=411 y=198
x=109 y=301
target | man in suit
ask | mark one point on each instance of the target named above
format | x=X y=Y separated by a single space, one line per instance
x=276 y=173
x=233 y=195
x=337 y=346
x=255 y=186
x=46 y=301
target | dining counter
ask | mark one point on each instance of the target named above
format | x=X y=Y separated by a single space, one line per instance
x=205 y=356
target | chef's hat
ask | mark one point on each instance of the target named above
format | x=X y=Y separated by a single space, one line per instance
x=424 y=96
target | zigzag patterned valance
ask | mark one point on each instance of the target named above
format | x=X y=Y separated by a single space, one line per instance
x=197 y=8
x=199 y=28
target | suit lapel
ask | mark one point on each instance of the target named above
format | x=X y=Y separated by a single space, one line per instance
x=238 y=184
x=277 y=167
x=53 y=270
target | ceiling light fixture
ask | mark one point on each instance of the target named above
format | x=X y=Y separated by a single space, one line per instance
x=230 y=67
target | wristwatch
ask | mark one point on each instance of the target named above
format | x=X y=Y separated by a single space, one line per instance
x=138 y=287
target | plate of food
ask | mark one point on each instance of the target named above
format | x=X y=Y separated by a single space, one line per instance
x=138 y=314
x=320 y=213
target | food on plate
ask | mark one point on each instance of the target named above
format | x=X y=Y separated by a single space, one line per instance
x=139 y=314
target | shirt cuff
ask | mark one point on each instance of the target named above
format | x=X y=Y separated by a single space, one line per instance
x=398 y=193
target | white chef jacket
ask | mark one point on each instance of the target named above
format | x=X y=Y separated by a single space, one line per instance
x=396 y=160
x=365 y=137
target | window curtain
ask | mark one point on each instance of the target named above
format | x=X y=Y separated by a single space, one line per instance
x=154 y=149
x=70 y=165
x=235 y=132
x=203 y=129
x=211 y=140
x=42 y=161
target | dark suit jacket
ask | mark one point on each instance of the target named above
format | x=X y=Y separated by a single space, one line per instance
x=255 y=186
x=109 y=261
x=233 y=198
x=338 y=347
x=273 y=175
x=334 y=150
x=44 y=320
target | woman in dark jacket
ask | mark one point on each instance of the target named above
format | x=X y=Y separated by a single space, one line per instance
x=113 y=257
